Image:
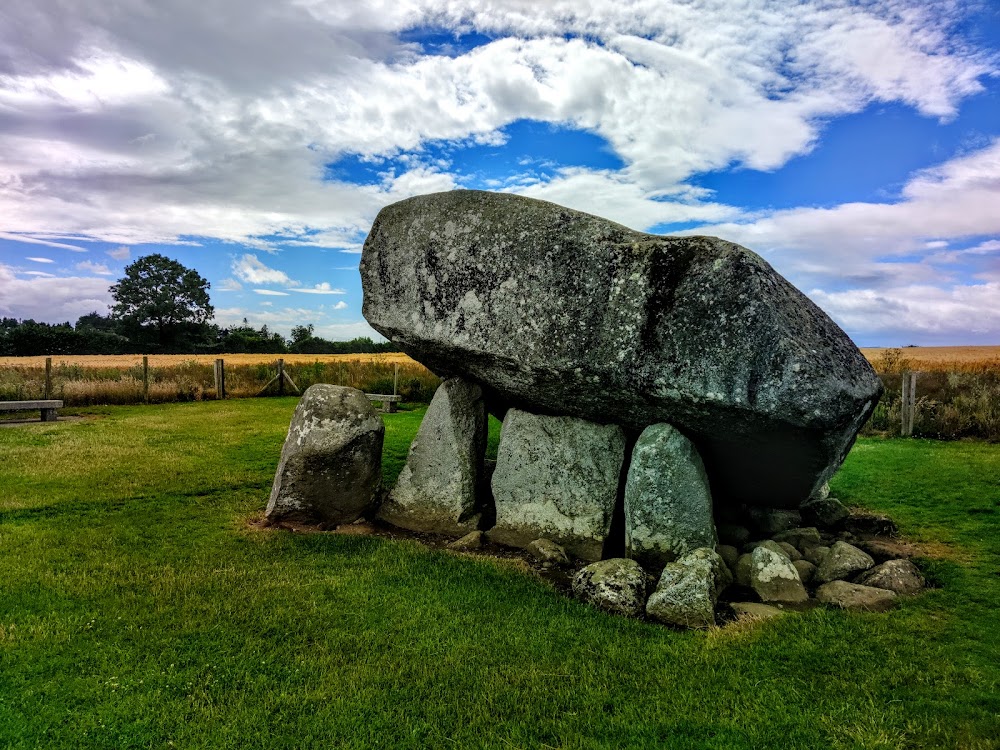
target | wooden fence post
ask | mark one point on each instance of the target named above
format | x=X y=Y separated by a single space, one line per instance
x=220 y=379
x=281 y=377
x=395 y=379
x=908 y=405
x=48 y=377
x=145 y=380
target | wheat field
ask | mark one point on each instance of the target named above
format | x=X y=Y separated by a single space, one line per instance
x=124 y=361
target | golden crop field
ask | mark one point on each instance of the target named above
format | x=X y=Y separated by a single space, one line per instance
x=172 y=360
x=942 y=358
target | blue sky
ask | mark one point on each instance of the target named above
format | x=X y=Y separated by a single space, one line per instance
x=855 y=146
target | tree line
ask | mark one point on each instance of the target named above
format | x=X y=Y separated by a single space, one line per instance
x=162 y=307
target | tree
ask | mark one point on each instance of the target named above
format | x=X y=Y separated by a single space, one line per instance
x=160 y=293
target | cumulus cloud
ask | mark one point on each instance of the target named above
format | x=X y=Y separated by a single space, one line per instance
x=96 y=268
x=51 y=298
x=122 y=252
x=250 y=269
x=229 y=285
x=340 y=305
x=323 y=288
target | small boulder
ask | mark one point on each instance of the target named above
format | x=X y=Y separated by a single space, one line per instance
x=755 y=610
x=616 y=585
x=547 y=551
x=899 y=576
x=843 y=561
x=688 y=590
x=729 y=555
x=556 y=477
x=668 y=506
x=436 y=490
x=734 y=534
x=844 y=595
x=331 y=463
x=805 y=569
x=885 y=549
x=793 y=554
x=744 y=566
x=773 y=576
x=471 y=541
x=771 y=521
x=826 y=512
x=816 y=554
x=871 y=524
x=800 y=538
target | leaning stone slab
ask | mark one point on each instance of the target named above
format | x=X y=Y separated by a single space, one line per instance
x=688 y=591
x=774 y=577
x=557 y=478
x=668 y=505
x=560 y=312
x=436 y=490
x=844 y=595
x=842 y=561
x=331 y=464
x=616 y=585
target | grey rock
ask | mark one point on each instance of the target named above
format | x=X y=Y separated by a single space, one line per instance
x=436 y=490
x=553 y=310
x=744 y=567
x=826 y=512
x=729 y=555
x=773 y=576
x=556 y=477
x=816 y=554
x=899 y=576
x=547 y=551
x=793 y=554
x=755 y=610
x=874 y=524
x=734 y=534
x=822 y=492
x=882 y=549
x=800 y=538
x=688 y=590
x=668 y=506
x=331 y=463
x=806 y=570
x=771 y=521
x=471 y=541
x=616 y=585
x=842 y=561
x=723 y=576
x=852 y=596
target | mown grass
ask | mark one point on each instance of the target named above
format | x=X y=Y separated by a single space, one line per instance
x=139 y=609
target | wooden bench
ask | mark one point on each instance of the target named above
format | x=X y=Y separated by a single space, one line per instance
x=48 y=408
x=388 y=402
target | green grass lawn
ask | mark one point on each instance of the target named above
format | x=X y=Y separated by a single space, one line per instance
x=139 y=609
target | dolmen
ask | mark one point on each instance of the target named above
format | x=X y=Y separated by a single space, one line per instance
x=648 y=385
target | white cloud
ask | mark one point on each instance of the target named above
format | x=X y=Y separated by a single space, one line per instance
x=229 y=285
x=249 y=268
x=90 y=267
x=270 y=292
x=38 y=273
x=39 y=241
x=122 y=252
x=41 y=260
x=340 y=305
x=323 y=288
x=51 y=299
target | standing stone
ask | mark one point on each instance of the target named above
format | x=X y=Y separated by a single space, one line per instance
x=331 y=464
x=668 y=506
x=557 y=478
x=842 y=561
x=773 y=576
x=436 y=490
x=560 y=312
x=688 y=590
x=617 y=585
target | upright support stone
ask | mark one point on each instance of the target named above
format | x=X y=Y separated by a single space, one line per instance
x=668 y=505
x=436 y=491
x=331 y=463
x=557 y=478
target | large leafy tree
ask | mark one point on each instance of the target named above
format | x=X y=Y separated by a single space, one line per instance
x=161 y=294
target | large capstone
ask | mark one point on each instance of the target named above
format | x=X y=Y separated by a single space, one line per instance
x=436 y=490
x=557 y=478
x=668 y=504
x=331 y=464
x=559 y=312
